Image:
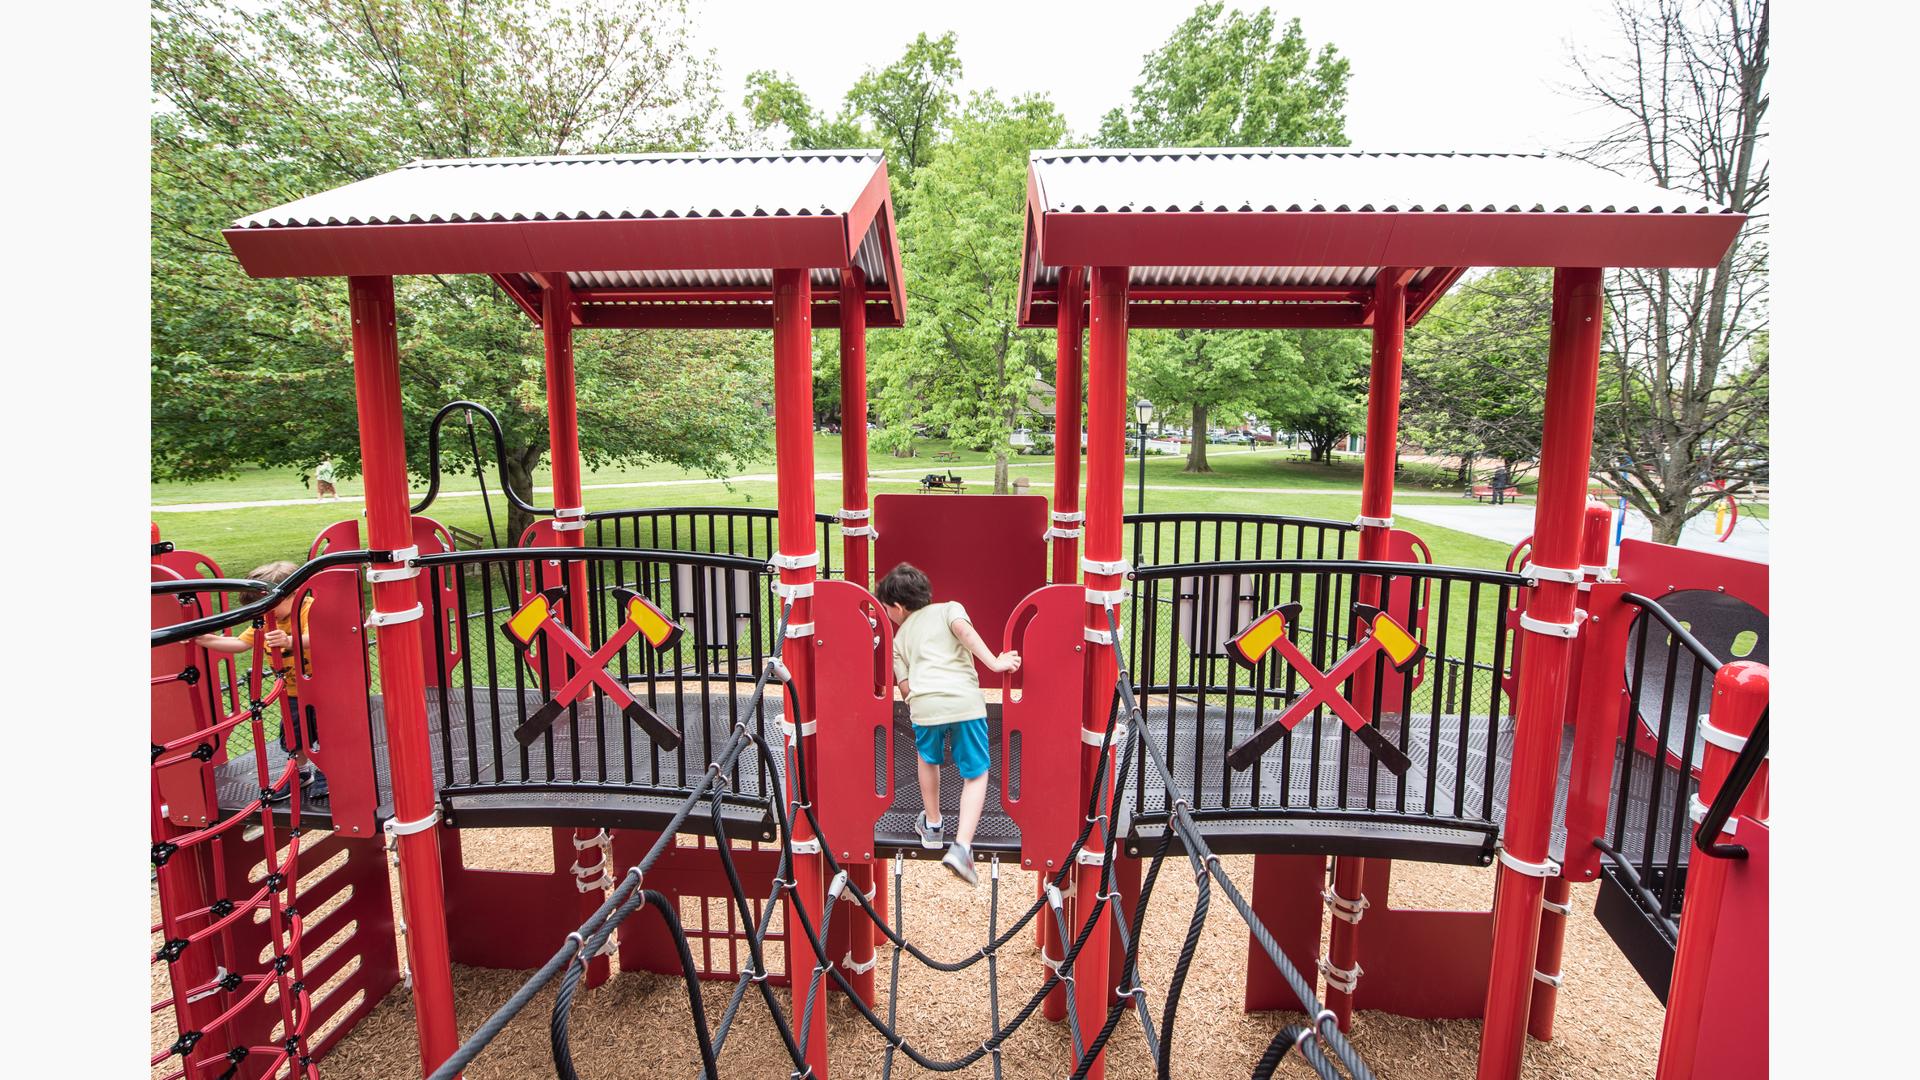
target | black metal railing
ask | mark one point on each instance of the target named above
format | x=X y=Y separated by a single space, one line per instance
x=1167 y=539
x=1669 y=685
x=749 y=532
x=487 y=687
x=1447 y=713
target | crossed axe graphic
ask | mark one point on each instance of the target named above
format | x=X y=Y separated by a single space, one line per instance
x=536 y=620
x=1268 y=633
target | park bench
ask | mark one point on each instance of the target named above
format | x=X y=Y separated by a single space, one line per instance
x=1484 y=492
x=949 y=482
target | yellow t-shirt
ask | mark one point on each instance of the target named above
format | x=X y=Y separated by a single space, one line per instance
x=282 y=659
x=938 y=669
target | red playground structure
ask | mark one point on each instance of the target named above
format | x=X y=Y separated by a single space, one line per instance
x=699 y=702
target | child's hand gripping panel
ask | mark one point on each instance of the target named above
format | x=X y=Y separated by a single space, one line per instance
x=1040 y=722
x=852 y=747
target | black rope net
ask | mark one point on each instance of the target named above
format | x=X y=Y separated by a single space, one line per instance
x=1320 y=1043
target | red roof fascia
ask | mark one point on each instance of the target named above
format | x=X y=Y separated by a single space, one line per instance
x=725 y=316
x=507 y=247
x=1384 y=239
x=1225 y=316
x=877 y=201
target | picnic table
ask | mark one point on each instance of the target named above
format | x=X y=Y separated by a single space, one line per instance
x=949 y=483
x=946 y=455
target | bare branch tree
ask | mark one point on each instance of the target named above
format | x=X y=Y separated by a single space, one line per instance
x=1685 y=423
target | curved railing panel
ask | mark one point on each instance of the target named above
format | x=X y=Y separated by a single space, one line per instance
x=750 y=532
x=1444 y=710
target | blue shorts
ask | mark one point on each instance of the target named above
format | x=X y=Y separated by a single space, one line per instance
x=969 y=745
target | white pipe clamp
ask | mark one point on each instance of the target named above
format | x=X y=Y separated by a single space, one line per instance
x=1096 y=566
x=1553 y=629
x=1545 y=869
x=389 y=618
x=1363 y=521
x=1536 y=572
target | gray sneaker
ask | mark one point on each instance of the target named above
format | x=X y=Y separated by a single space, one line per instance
x=930 y=835
x=960 y=861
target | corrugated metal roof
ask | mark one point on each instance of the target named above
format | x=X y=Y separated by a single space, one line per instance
x=1335 y=180
x=796 y=183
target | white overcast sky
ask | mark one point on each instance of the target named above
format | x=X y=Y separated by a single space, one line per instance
x=1469 y=75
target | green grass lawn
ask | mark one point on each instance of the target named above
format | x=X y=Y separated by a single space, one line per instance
x=244 y=539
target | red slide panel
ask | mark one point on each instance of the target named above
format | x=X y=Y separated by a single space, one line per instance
x=986 y=551
x=1040 y=704
x=853 y=705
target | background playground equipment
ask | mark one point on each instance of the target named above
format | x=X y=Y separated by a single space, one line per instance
x=1549 y=716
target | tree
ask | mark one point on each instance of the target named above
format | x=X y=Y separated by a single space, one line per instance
x=257 y=107
x=1689 y=384
x=1318 y=385
x=1225 y=79
x=1202 y=370
x=963 y=364
x=1476 y=367
x=908 y=104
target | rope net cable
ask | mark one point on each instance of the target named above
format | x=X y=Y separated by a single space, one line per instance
x=202 y=938
x=1321 y=1045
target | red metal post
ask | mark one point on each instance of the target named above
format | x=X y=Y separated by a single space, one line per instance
x=856 y=533
x=1064 y=526
x=1376 y=529
x=1573 y=364
x=376 y=381
x=563 y=456
x=1740 y=693
x=856 y=523
x=1555 y=904
x=1105 y=584
x=799 y=561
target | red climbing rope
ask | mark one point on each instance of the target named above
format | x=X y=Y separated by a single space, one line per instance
x=214 y=999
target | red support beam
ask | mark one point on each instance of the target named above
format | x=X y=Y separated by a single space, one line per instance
x=856 y=534
x=798 y=561
x=1740 y=694
x=1573 y=365
x=376 y=378
x=1065 y=525
x=563 y=455
x=731 y=315
x=1389 y=309
x=526 y=299
x=1107 y=413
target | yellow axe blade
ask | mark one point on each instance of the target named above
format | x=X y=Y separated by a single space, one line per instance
x=1248 y=647
x=525 y=623
x=653 y=624
x=1401 y=647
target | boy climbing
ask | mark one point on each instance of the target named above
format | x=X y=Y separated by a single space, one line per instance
x=934 y=647
x=279 y=653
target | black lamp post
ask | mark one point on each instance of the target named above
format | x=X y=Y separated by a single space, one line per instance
x=1143 y=412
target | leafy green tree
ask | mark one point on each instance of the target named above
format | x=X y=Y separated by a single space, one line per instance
x=1226 y=78
x=1207 y=371
x=963 y=365
x=1318 y=387
x=259 y=106
x=904 y=107
x=1476 y=370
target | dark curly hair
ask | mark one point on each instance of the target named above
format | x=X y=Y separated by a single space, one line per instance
x=907 y=586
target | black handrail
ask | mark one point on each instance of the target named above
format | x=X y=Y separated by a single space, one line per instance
x=500 y=458
x=1262 y=519
x=1338 y=566
x=275 y=592
x=702 y=511
x=1739 y=778
x=570 y=554
x=1680 y=633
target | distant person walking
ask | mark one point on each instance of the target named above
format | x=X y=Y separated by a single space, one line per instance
x=323 y=480
x=1501 y=478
